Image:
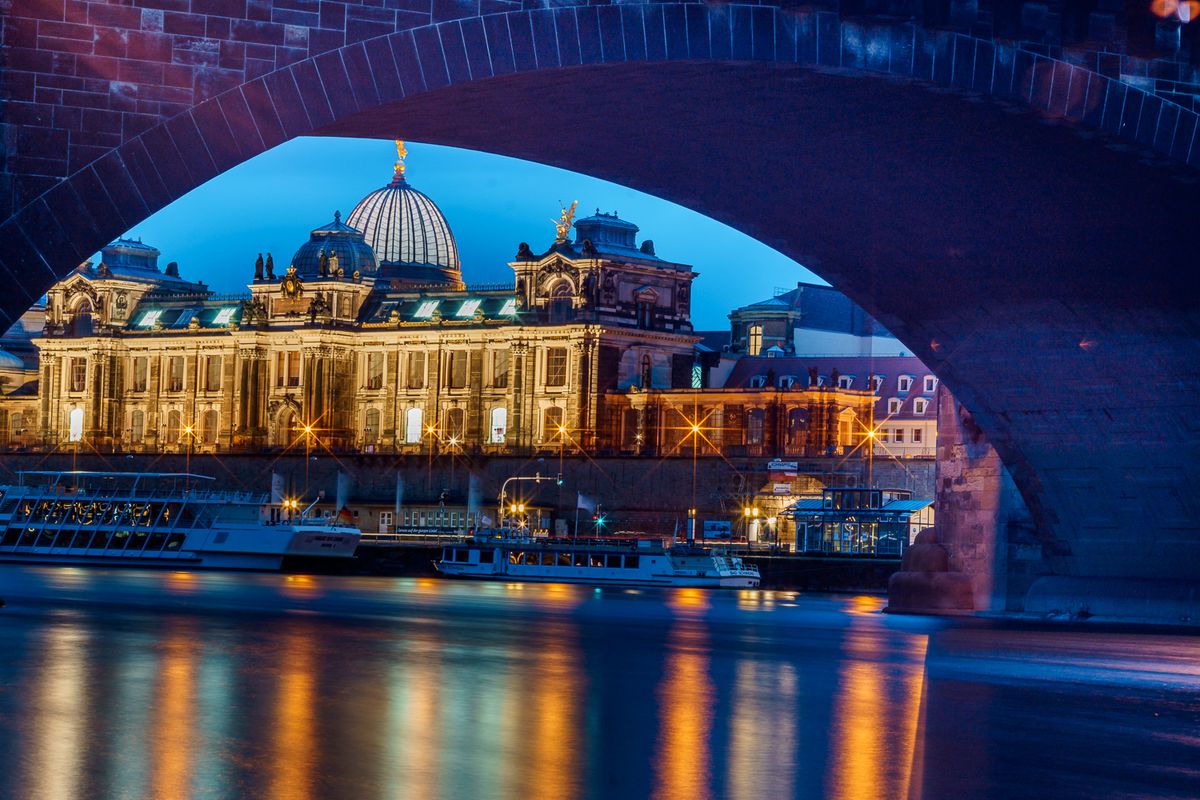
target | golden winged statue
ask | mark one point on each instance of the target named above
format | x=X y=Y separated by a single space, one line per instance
x=401 y=154
x=563 y=224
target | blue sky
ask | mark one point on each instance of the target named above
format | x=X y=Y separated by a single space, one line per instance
x=493 y=203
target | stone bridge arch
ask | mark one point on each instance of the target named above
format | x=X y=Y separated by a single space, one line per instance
x=1019 y=221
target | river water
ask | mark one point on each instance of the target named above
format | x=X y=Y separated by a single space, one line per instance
x=131 y=684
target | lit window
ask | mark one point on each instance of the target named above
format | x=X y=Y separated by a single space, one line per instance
x=509 y=309
x=426 y=309
x=893 y=405
x=919 y=405
x=754 y=340
x=75 y=425
x=224 y=316
x=905 y=383
x=149 y=318
x=468 y=308
x=697 y=376
x=930 y=384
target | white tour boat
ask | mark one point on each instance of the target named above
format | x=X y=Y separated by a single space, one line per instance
x=155 y=519
x=505 y=555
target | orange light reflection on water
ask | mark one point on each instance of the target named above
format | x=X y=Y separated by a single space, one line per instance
x=685 y=698
x=294 y=759
x=174 y=705
x=876 y=713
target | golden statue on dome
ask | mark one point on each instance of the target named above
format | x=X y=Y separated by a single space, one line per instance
x=401 y=154
x=563 y=224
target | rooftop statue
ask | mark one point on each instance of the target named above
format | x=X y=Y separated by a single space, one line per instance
x=563 y=224
x=401 y=154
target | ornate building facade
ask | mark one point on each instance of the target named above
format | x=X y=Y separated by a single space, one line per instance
x=369 y=340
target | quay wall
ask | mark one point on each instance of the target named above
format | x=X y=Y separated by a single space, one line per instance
x=641 y=491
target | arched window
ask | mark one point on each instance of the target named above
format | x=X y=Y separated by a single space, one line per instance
x=561 y=307
x=75 y=425
x=173 y=426
x=552 y=420
x=137 y=427
x=209 y=426
x=413 y=419
x=499 y=427
x=371 y=427
x=81 y=319
x=647 y=372
x=754 y=340
x=456 y=424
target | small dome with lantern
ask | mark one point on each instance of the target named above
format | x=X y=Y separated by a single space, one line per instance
x=332 y=248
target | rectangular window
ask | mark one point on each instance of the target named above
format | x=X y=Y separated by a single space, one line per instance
x=500 y=369
x=556 y=366
x=899 y=435
x=416 y=371
x=78 y=374
x=293 y=371
x=917 y=435
x=458 y=369
x=175 y=374
x=374 y=371
x=212 y=374
x=905 y=383
x=385 y=521
x=141 y=369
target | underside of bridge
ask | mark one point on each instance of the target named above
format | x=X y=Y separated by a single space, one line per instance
x=1045 y=272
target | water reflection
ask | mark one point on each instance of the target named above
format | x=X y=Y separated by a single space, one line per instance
x=685 y=699
x=293 y=761
x=59 y=713
x=437 y=690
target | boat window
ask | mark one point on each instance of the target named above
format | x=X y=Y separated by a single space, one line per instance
x=119 y=540
x=156 y=541
x=11 y=537
x=463 y=555
x=175 y=541
x=139 y=541
x=63 y=539
x=9 y=505
x=187 y=516
x=632 y=562
x=579 y=559
x=100 y=540
x=82 y=540
x=596 y=559
x=485 y=556
x=612 y=561
x=515 y=557
x=29 y=537
x=45 y=540
x=562 y=559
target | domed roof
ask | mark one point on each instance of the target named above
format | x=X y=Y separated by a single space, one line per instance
x=408 y=233
x=353 y=254
x=10 y=361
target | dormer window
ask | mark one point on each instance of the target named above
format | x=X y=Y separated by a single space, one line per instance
x=149 y=318
x=758 y=382
x=930 y=384
x=876 y=383
x=426 y=309
x=468 y=308
x=787 y=382
x=845 y=381
x=894 y=405
x=509 y=309
x=904 y=383
x=919 y=405
x=224 y=316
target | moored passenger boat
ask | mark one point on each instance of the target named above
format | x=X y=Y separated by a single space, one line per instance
x=502 y=555
x=155 y=519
